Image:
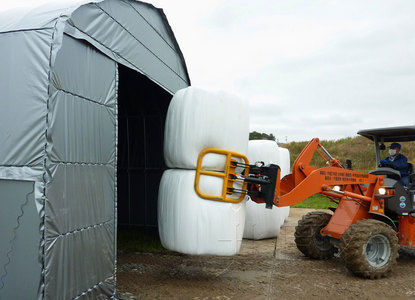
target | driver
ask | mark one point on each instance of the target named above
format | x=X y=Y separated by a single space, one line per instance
x=397 y=161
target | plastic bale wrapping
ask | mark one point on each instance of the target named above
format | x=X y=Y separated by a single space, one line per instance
x=197 y=120
x=284 y=155
x=260 y=222
x=192 y=225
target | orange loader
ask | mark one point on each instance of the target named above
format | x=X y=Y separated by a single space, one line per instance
x=374 y=217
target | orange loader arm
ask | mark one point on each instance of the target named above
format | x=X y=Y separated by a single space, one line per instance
x=307 y=180
x=353 y=191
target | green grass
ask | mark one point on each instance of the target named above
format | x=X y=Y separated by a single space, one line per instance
x=316 y=201
x=136 y=240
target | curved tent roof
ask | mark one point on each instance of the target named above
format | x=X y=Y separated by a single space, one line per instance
x=127 y=31
x=60 y=124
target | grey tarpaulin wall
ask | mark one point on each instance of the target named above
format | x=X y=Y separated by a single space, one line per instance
x=69 y=75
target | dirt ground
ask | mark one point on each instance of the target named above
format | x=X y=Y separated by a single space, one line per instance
x=266 y=269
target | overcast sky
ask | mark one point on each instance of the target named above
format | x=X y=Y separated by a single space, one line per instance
x=309 y=68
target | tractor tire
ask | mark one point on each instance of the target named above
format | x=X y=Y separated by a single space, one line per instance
x=308 y=238
x=369 y=248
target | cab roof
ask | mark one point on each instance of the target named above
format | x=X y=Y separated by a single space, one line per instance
x=390 y=134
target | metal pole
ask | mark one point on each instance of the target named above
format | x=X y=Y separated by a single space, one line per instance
x=375 y=139
x=128 y=169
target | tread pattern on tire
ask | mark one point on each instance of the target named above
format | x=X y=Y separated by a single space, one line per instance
x=304 y=235
x=353 y=243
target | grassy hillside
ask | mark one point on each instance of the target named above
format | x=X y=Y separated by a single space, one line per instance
x=359 y=149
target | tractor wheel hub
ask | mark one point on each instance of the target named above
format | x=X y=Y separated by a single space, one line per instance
x=378 y=251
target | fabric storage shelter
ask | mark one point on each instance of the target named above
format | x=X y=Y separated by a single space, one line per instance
x=84 y=90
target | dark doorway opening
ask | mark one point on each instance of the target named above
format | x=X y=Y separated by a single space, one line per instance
x=142 y=109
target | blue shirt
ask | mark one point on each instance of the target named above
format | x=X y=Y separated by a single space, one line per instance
x=400 y=162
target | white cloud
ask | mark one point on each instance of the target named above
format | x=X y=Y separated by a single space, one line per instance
x=309 y=68
x=324 y=69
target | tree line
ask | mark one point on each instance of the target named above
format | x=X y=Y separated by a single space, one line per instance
x=254 y=135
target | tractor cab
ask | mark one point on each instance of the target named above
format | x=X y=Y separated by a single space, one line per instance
x=380 y=136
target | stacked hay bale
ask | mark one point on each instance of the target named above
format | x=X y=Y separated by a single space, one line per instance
x=262 y=223
x=197 y=120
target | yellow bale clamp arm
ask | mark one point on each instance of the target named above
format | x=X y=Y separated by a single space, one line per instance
x=256 y=180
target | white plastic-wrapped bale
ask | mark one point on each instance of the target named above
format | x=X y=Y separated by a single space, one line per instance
x=260 y=222
x=192 y=225
x=284 y=163
x=196 y=120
